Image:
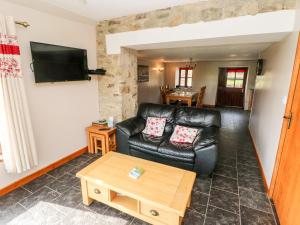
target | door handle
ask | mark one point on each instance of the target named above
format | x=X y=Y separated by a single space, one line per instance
x=289 y=118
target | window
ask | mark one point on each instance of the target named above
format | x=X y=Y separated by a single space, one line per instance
x=184 y=77
x=235 y=78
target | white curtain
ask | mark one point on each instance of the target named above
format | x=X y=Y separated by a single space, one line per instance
x=16 y=135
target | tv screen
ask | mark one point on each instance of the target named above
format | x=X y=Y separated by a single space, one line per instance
x=53 y=63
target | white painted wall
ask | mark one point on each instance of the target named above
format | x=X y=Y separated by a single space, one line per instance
x=60 y=111
x=297 y=20
x=269 y=100
x=207 y=73
x=150 y=91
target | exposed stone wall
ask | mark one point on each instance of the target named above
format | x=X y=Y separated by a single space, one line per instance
x=118 y=89
x=128 y=85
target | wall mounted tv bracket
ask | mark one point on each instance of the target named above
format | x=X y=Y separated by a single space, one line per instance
x=97 y=72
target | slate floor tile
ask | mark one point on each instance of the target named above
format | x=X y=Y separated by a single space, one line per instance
x=68 y=200
x=80 y=167
x=79 y=160
x=247 y=161
x=139 y=222
x=255 y=200
x=249 y=171
x=225 y=200
x=58 y=186
x=202 y=185
x=69 y=180
x=10 y=213
x=199 y=202
x=12 y=198
x=193 y=218
x=225 y=183
x=226 y=171
x=217 y=216
x=227 y=161
x=95 y=206
x=44 y=194
x=254 y=217
x=39 y=183
x=251 y=183
x=246 y=154
x=91 y=155
x=59 y=171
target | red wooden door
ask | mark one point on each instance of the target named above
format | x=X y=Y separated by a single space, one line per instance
x=231 y=87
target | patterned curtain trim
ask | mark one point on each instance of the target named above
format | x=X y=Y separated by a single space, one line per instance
x=9 y=56
x=8 y=39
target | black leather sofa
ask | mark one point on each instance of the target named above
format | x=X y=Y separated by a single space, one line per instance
x=201 y=156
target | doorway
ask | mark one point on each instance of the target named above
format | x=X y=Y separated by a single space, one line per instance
x=231 y=87
x=285 y=185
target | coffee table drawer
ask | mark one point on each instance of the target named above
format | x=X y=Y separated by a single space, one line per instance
x=97 y=192
x=158 y=214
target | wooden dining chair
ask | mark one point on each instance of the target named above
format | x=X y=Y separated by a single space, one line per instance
x=163 y=92
x=199 y=103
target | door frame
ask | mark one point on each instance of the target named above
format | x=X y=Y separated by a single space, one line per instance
x=246 y=83
x=284 y=127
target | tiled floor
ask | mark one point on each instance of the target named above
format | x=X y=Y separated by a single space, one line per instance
x=235 y=194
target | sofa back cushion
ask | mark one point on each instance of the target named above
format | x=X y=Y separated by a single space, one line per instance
x=156 y=110
x=195 y=117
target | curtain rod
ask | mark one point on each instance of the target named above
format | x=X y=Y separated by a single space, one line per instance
x=22 y=23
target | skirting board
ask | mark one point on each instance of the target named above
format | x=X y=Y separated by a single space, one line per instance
x=40 y=172
x=260 y=165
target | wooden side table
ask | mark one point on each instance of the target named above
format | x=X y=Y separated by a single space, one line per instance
x=106 y=139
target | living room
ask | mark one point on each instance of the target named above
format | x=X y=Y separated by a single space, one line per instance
x=44 y=190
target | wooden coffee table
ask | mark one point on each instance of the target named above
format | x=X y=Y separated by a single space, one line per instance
x=160 y=196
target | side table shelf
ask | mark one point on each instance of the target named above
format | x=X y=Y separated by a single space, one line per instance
x=104 y=140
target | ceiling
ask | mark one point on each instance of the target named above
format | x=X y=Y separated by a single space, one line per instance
x=97 y=10
x=206 y=53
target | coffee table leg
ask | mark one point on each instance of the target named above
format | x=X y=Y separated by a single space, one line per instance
x=84 y=191
x=189 y=201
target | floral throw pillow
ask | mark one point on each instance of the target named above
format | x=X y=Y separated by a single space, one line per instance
x=155 y=126
x=183 y=134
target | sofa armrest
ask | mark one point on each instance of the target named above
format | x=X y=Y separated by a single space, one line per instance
x=206 y=160
x=206 y=151
x=208 y=136
x=125 y=130
x=131 y=126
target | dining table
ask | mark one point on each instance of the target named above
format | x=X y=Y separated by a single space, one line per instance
x=184 y=96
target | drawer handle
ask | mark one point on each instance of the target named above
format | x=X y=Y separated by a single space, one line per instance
x=154 y=212
x=97 y=191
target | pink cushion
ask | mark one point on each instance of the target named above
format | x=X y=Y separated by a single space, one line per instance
x=155 y=126
x=184 y=134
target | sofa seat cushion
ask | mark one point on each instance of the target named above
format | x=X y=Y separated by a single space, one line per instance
x=146 y=142
x=180 y=151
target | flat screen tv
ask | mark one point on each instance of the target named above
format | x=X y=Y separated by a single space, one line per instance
x=53 y=63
